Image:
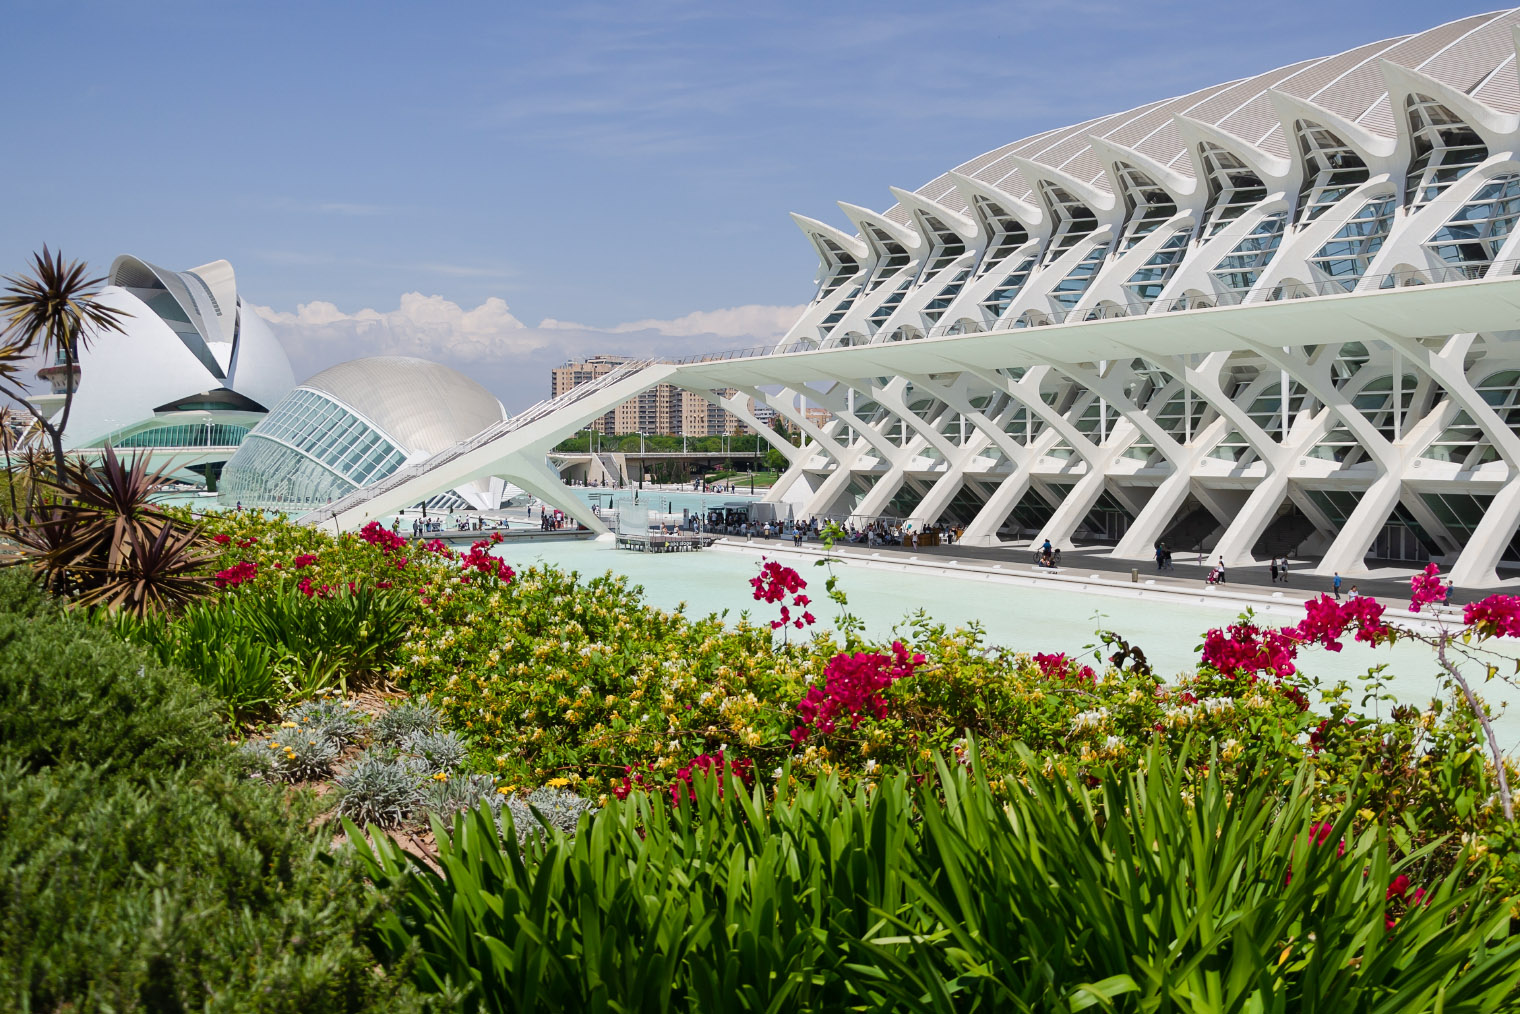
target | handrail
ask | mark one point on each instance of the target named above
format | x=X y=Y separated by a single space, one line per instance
x=1443 y=275
x=492 y=432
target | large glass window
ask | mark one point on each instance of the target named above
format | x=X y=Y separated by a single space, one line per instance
x=1332 y=169
x=184 y=435
x=1068 y=291
x=1234 y=188
x=936 y=307
x=841 y=267
x=1003 y=294
x=1073 y=220
x=946 y=245
x=1007 y=232
x=1146 y=284
x=1472 y=238
x=1147 y=206
x=1345 y=257
x=1445 y=150
x=1239 y=270
x=893 y=257
x=888 y=305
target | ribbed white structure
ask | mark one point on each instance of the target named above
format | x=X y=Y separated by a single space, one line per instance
x=1392 y=165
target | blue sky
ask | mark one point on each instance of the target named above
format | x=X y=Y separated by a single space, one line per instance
x=444 y=178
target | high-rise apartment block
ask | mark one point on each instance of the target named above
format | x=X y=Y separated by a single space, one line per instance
x=663 y=409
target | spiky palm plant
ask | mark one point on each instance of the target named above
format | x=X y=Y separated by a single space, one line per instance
x=102 y=542
x=52 y=311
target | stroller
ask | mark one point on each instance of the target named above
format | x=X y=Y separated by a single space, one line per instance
x=1213 y=577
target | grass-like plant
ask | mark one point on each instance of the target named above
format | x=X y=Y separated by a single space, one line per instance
x=1157 y=890
x=392 y=726
x=380 y=790
x=331 y=717
x=436 y=751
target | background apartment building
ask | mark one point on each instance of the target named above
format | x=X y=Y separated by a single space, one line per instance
x=661 y=410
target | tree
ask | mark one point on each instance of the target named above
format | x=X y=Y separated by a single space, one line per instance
x=52 y=312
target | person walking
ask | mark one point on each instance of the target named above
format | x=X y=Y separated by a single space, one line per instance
x=1274 y=570
x=1220 y=569
x=1336 y=586
x=1282 y=569
x=1160 y=556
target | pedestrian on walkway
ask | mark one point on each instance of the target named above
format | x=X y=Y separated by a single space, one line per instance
x=1336 y=586
x=1160 y=556
x=1220 y=569
x=1282 y=569
x=1274 y=570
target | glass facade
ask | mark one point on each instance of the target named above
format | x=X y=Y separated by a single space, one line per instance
x=1472 y=238
x=309 y=450
x=1445 y=150
x=1147 y=205
x=1234 y=188
x=184 y=435
x=1347 y=255
x=1068 y=291
x=1002 y=296
x=1074 y=221
x=1146 y=284
x=1332 y=169
x=1242 y=267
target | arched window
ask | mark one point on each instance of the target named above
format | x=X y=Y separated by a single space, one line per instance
x=945 y=245
x=1243 y=265
x=936 y=307
x=1445 y=150
x=888 y=306
x=1072 y=220
x=1003 y=294
x=1332 y=169
x=1007 y=233
x=1234 y=188
x=1345 y=256
x=894 y=256
x=1068 y=291
x=839 y=267
x=1146 y=284
x=1472 y=238
x=1146 y=205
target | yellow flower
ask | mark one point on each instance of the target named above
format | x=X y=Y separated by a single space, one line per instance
x=504 y=791
x=287 y=725
x=557 y=783
x=441 y=776
x=272 y=745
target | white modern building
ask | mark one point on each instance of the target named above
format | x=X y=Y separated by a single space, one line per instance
x=193 y=371
x=1277 y=314
x=356 y=423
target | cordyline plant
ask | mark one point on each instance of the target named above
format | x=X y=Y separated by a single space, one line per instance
x=49 y=313
x=103 y=543
x=1248 y=651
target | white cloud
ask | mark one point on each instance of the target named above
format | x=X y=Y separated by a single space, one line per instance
x=489 y=343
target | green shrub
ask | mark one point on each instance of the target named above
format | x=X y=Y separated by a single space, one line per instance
x=1156 y=892
x=139 y=870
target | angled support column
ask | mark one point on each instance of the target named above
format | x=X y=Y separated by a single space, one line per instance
x=1476 y=564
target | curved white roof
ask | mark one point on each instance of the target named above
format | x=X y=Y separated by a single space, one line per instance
x=1475 y=56
x=425 y=406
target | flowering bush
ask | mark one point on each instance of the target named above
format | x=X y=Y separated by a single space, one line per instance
x=853 y=683
x=773 y=584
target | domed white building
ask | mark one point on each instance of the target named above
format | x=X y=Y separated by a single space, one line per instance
x=193 y=371
x=356 y=423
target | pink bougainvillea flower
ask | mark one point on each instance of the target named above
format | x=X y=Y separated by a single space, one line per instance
x=1495 y=616
x=1244 y=649
x=773 y=584
x=237 y=574
x=1059 y=667
x=852 y=687
x=304 y=560
x=1326 y=621
x=1425 y=588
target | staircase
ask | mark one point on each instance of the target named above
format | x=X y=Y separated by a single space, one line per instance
x=609 y=465
x=1189 y=532
x=496 y=431
x=1284 y=535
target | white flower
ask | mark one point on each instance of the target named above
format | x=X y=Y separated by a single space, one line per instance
x=871 y=765
x=776 y=773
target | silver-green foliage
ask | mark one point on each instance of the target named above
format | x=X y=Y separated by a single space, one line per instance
x=549 y=807
x=437 y=751
x=379 y=789
x=331 y=717
x=1153 y=891
x=394 y=725
x=299 y=754
x=447 y=796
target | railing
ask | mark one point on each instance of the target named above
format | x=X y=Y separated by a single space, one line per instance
x=1443 y=275
x=493 y=432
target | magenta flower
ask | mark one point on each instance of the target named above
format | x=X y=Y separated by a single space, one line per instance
x=1425 y=588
